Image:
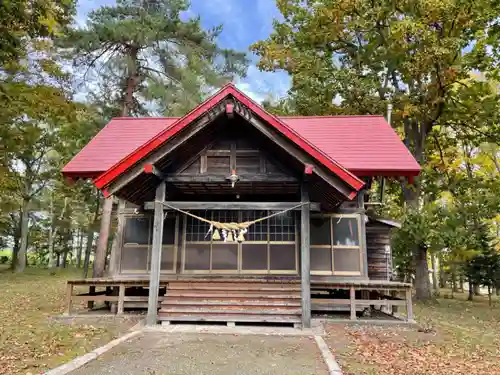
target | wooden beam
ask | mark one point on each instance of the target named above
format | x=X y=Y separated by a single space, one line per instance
x=69 y=296
x=305 y=260
x=272 y=206
x=203 y=163
x=308 y=169
x=230 y=110
x=154 y=281
x=232 y=158
x=116 y=248
x=352 y=298
x=260 y=177
x=102 y=242
x=121 y=299
x=362 y=229
x=151 y=169
x=409 y=307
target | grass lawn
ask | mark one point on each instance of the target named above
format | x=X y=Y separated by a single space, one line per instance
x=463 y=338
x=30 y=342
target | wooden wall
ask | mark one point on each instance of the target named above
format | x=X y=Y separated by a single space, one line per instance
x=232 y=151
x=378 y=239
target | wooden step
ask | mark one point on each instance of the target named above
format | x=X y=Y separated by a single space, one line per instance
x=232 y=301
x=248 y=310
x=229 y=302
x=229 y=318
x=220 y=294
x=226 y=287
x=239 y=281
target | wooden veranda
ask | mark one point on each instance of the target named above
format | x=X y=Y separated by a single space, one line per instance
x=243 y=299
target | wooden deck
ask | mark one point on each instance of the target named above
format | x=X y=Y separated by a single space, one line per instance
x=245 y=299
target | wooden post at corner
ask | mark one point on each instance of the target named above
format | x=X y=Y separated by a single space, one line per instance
x=305 y=260
x=154 y=280
x=102 y=242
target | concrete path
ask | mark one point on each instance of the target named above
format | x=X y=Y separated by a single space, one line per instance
x=163 y=353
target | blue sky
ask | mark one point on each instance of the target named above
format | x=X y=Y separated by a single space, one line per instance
x=245 y=22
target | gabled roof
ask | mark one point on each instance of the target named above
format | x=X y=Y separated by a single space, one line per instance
x=349 y=146
x=229 y=90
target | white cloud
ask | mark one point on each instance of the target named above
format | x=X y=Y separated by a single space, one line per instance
x=262 y=85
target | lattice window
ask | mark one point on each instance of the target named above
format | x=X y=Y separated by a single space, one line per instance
x=258 y=231
x=196 y=230
x=282 y=227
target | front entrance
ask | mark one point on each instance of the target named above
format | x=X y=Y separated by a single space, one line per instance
x=270 y=246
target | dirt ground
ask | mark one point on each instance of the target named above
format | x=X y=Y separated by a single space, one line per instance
x=456 y=337
x=160 y=353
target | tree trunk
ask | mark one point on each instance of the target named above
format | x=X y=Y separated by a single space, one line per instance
x=415 y=133
x=471 y=290
x=64 y=259
x=477 y=290
x=461 y=282
x=442 y=278
x=17 y=243
x=435 y=284
x=102 y=244
x=131 y=81
x=52 y=260
x=489 y=295
x=79 y=249
x=422 y=283
x=58 y=260
x=454 y=279
x=23 y=247
x=90 y=238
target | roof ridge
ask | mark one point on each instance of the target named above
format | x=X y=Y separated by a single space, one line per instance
x=145 y=118
x=299 y=116
x=330 y=116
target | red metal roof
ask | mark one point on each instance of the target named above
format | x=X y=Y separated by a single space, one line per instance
x=361 y=145
x=115 y=141
x=364 y=145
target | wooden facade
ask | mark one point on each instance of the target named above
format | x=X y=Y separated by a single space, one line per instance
x=378 y=247
x=233 y=163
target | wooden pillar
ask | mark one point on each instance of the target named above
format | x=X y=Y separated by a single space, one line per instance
x=102 y=243
x=90 y=304
x=364 y=250
x=154 y=280
x=409 y=306
x=352 y=298
x=305 y=260
x=69 y=297
x=121 y=298
x=116 y=248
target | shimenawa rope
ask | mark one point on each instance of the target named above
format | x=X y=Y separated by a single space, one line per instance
x=231 y=226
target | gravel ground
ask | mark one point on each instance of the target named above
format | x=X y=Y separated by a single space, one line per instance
x=154 y=353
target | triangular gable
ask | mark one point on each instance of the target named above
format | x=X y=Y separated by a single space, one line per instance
x=122 y=166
